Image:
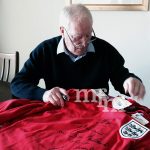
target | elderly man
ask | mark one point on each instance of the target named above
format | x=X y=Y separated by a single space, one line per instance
x=76 y=59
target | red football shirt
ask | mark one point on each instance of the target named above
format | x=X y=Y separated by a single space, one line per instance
x=80 y=125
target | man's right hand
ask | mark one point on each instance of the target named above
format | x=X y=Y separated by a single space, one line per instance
x=54 y=96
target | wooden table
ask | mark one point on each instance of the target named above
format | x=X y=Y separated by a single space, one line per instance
x=5 y=93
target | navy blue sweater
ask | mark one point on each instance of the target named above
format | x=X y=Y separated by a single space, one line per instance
x=92 y=71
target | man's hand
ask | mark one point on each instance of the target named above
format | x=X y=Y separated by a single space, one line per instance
x=134 y=87
x=54 y=96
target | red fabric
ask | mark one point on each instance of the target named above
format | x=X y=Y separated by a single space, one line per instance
x=35 y=125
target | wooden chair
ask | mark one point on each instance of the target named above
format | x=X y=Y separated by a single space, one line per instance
x=9 y=66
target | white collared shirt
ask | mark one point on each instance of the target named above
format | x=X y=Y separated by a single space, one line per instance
x=61 y=49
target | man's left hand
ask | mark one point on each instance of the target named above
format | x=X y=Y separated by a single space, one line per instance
x=134 y=87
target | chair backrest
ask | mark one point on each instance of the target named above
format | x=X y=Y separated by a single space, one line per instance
x=9 y=66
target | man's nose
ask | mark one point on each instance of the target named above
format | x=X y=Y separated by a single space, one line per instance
x=84 y=40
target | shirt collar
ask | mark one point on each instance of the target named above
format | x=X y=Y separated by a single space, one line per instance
x=61 y=48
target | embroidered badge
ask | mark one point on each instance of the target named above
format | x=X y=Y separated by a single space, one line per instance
x=133 y=130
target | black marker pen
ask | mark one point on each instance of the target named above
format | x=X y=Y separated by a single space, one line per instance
x=64 y=97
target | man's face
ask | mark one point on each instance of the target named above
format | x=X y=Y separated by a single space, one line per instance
x=77 y=36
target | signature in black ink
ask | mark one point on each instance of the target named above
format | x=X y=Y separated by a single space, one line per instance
x=83 y=148
x=57 y=148
x=60 y=132
x=96 y=140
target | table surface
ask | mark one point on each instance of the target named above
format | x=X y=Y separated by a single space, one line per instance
x=5 y=93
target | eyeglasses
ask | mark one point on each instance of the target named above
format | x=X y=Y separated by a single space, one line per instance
x=76 y=40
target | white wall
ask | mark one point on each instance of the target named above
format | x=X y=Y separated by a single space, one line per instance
x=25 y=23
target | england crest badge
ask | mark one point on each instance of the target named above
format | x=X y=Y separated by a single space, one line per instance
x=133 y=130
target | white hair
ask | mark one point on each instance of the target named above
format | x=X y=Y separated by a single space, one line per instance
x=74 y=13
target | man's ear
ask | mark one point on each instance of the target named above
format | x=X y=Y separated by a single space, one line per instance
x=62 y=31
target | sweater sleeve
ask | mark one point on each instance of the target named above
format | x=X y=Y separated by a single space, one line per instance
x=24 y=85
x=118 y=73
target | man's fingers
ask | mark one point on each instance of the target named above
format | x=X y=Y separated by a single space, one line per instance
x=53 y=102
x=63 y=91
x=56 y=94
x=125 y=88
x=134 y=87
x=141 y=92
x=55 y=98
x=60 y=99
x=128 y=88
